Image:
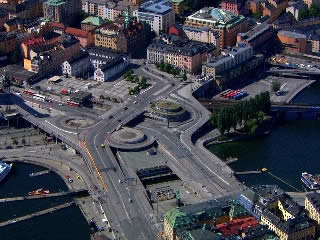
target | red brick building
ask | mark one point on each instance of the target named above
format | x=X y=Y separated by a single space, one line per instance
x=235 y=6
x=293 y=41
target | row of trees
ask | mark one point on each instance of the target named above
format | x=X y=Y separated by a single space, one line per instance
x=15 y=141
x=313 y=11
x=249 y=113
x=168 y=68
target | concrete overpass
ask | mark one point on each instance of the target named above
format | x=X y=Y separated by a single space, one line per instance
x=295 y=71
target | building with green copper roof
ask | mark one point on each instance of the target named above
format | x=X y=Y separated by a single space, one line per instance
x=92 y=22
x=238 y=211
x=96 y=21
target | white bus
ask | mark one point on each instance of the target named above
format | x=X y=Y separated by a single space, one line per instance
x=39 y=97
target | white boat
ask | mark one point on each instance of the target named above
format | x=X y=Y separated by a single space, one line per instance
x=4 y=170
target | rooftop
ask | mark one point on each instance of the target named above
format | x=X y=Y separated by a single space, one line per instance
x=156 y=6
x=55 y=2
x=198 y=234
x=96 y=21
x=254 y=32
x=180 y=47
x=291 y=34
x=314 y=199
x=216 y=15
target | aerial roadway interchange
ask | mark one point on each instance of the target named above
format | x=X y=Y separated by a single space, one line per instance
x=126 y=205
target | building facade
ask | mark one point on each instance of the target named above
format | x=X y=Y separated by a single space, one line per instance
x=159 y=14
x=204 y=34
x=228 y=60
x=78 y=65
x=257 y=36
x=235 y=6
x=111 y=69
x=312 y=205
x=62 y=11
x=292 y=41
x=178 y=6
x=8 y=42
x=225 y=22
x=186 y=55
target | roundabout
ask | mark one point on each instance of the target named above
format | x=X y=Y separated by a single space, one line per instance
x=130 y=139
x=164 y=109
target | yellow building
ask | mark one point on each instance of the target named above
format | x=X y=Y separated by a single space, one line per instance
x=178 y=6
x=8 y=42
x=289 y=208
x=299 y=228
x=107 y=36
x=312 y=205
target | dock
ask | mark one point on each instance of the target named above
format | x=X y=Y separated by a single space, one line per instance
x=39 y=173
x=58 y=194
x=43 y=212
x=248 y=172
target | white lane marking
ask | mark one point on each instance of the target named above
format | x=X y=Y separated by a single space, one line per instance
x=60 y=128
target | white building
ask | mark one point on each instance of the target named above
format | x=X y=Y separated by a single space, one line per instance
x=204 y=34
x=159 y=14
x=294 y=7
x=77 y=66
x=111 y=69
x=228 y=59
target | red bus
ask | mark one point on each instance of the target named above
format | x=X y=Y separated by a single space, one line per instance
x=28 y=92
x=72 y=103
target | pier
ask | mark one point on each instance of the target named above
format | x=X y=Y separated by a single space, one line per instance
x=39 y=173
x=58 y=194
x=43 y=212
x=248 y=172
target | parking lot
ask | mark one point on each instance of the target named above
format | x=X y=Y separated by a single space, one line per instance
x=118 y=88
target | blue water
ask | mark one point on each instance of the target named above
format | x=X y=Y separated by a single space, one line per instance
x=64 y=224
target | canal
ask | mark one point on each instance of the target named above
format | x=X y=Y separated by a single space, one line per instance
x=290 y=149
x=64 y=224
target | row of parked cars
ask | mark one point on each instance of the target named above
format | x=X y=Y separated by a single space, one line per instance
x=234 y=94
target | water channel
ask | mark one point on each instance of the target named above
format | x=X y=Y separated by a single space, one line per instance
x=290 y=149
x=64 y=224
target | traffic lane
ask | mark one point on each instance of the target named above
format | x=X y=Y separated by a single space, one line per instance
x=62 y=107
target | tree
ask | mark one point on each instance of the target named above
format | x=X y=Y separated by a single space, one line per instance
x=304 y=13
x=23 y=141
x=136 y=79
x=14 y=142
x=275 y=86
x=256 y=15
x=251 y=126
x=184 y=78
x=221 y=123
x=314 y=11
x=101 y=97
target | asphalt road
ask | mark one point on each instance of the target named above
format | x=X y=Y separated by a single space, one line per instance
x=131 y=217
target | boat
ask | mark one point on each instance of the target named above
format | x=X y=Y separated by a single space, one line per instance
x=4 y=170
x=39 y=191
x=312 y=182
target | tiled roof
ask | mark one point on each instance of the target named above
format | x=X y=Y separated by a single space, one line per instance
x=234 y=227
x=76 y=32
x=57 y=25
x=33 y=41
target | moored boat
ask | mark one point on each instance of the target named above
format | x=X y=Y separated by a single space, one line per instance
x=312 y=182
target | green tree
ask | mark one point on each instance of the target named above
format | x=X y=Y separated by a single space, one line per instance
x=275 y=86
x=23 y=141
x=14 y=142
x=184 y=78
x=251 y=126
x=221 y=125
x=260 y=117
x=256 y=15
x=304 y=13
x=314 y=11
x=136 y=79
